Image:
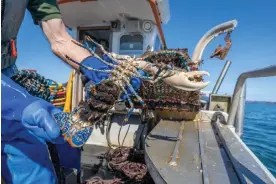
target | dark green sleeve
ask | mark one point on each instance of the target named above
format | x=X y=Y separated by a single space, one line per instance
x=43 y=10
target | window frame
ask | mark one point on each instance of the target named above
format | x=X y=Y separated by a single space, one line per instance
x=129 y=34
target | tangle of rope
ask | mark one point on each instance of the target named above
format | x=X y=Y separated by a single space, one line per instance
x=129 y=162
x=98 y=180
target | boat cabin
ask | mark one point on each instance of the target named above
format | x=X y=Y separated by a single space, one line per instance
x=125 y=27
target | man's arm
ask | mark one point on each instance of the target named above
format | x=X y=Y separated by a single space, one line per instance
x=61 y=42
x=47 y=14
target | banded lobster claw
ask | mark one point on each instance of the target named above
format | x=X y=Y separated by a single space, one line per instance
x=187 y=80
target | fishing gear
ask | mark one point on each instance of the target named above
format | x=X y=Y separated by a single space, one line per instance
x=163 y=96
x=123 y=70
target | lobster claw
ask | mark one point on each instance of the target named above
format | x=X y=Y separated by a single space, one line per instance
x=182 y=80
x=178 y=79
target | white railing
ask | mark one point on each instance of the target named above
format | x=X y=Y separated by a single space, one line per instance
x=239 y=90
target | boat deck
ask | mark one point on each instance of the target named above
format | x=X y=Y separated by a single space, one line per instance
x=201 y=152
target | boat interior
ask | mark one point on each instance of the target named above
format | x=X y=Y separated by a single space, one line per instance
x=179 y=146
x=200 y=149
x=197 y=144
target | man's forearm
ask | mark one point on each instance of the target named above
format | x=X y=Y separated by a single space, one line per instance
x=62 y=45
x=61 y=42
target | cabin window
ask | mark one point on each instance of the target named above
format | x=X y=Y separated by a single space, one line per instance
x=131 y=45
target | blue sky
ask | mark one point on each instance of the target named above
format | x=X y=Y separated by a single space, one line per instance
x=254 y=42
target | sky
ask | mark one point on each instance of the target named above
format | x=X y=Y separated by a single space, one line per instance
x=253 y=42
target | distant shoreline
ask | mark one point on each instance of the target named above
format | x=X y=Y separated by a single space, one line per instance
x=254 y=101
x=205 y=97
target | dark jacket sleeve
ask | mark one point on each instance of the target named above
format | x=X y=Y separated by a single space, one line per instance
x=43 y=10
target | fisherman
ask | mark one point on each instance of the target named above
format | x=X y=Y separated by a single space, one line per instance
x=27 y=122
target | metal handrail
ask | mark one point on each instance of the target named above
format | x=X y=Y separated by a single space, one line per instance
x=264 y=72
x=239 y=118
x=221 y=77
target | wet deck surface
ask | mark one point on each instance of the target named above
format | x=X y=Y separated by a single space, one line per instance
x=208 y=153
x=194 y=152
x=161 y=144
x=92 y=164
x=219 y=167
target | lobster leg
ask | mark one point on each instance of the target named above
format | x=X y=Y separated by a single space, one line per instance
x=94 y=54
x=103 y=50
x=87 y=67
x=129 y=100
x=134 y=92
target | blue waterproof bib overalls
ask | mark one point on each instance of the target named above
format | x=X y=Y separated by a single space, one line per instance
x=24 y=157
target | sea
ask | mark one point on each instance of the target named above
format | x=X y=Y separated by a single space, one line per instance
x=260 y=132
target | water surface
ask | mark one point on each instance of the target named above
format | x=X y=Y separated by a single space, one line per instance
x=260 y=132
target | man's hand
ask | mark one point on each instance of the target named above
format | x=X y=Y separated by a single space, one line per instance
x=36 y=115
x=38 y=118
x=62 y=46
x=95 y=63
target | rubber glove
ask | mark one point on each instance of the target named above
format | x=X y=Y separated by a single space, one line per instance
x=95 y=76
x=35 y=114
x=95 y=63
